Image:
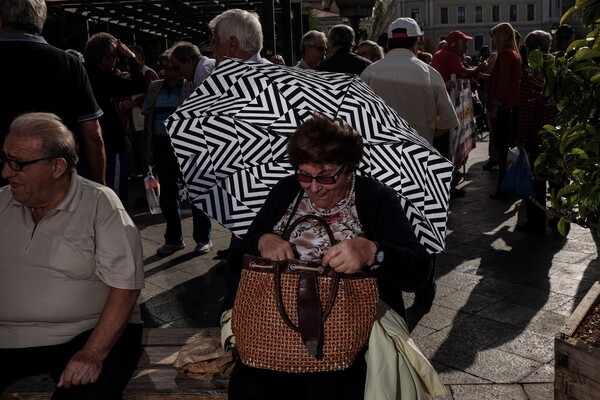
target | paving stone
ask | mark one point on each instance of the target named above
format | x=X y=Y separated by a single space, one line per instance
x=539 y=391
x=544 y=374
x=488 y=392
x=529 y=344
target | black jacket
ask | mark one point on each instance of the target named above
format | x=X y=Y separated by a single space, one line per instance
x=406 y=265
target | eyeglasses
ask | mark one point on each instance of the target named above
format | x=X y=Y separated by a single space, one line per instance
x=19 y=165
x=322 y=49
x=323 y=180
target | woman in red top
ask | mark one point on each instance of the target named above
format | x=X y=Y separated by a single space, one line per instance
x=504 y=94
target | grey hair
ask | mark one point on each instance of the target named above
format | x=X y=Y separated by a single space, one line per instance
x=538 y=39
x=57 y=140
x=374 y=49
x=309 y=39
x=341 y=35
x=100 y=45
x=185 y=52
x=24 y=15
x=244 y=25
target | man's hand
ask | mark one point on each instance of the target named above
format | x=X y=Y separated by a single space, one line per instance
x=83 y=368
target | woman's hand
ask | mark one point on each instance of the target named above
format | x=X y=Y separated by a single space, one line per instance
x=350 y=256
x=274 y=247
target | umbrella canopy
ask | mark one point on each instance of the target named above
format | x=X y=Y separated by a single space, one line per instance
x=230 y=138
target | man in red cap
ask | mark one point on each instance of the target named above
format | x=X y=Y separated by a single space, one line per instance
x=449 y=60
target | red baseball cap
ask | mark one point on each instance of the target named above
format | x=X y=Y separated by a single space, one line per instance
x=455 y=36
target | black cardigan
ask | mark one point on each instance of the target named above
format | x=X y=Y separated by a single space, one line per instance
x=406 y=265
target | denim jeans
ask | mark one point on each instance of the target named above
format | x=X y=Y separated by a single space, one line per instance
x=117 y=175
x=168 y=173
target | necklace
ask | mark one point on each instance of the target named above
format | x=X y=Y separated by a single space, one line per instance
x=341 y=205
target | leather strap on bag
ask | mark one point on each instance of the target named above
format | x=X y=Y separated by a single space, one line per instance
x=309 y=309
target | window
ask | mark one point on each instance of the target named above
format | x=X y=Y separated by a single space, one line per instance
x=478 y=14
x=460 y=15
x=477 y=43
x=415 y=14
x=530 y=12
x=495 y=13
x=443 y=15
x=512 y=12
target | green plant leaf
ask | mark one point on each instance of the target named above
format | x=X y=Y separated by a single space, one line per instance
x=536 y=61
x=564 y=226
x=585 y=53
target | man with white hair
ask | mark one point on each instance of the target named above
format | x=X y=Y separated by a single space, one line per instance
x=237 y=34
x=313 y=47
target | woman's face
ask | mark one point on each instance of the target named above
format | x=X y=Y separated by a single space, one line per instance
x=324 y=195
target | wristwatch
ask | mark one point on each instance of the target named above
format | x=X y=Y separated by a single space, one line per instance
x=379 y=255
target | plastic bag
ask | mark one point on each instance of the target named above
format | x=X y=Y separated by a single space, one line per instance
x=518 y=180
x=204 y=359
x=152 y=192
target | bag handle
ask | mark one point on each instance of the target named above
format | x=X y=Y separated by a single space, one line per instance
x=310 y=315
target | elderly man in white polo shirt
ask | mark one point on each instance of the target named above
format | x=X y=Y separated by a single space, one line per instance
x=71 y=267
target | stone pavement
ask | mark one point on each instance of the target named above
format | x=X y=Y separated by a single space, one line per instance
x=502 y=295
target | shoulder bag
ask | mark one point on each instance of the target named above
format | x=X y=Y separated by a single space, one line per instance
x=297 y=316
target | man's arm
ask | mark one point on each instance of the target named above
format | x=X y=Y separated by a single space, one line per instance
x=85 y=365
x=468 y=73
x=93 y=148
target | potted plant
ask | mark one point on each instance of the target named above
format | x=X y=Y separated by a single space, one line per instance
x=570 y=160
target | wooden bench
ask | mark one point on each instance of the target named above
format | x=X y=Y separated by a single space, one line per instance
x=155 y=377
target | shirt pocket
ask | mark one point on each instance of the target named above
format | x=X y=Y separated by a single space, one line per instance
x=73 y=256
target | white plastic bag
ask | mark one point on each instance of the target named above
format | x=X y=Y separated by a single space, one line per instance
x=152 y=192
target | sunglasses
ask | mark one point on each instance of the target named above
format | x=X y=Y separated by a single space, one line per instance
x=323 y=180
x=322 y=49
x=19 y=165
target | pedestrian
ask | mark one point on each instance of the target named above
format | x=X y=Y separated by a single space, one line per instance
x=36 y=76
x=313 y=48
x=504 y=95
x=341 y=41
x=69 y=307
x=102 y=51
x=163 y=98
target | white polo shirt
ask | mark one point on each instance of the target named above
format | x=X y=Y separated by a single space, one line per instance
x=55 y=277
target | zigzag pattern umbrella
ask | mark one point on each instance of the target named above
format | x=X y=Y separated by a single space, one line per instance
x=230 y=138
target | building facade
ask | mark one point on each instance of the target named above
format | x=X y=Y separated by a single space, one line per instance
x=476 y=18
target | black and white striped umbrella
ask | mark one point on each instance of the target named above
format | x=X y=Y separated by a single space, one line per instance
x=230 y=138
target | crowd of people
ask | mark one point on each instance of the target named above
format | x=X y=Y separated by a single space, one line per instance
x=72 y=266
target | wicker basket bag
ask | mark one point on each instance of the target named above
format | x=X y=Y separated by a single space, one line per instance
x=296 y=316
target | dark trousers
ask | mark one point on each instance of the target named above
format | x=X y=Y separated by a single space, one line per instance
x=505 y=133
x=248 y=383
x=117 y=368
x=169 y=177
x=535 y=215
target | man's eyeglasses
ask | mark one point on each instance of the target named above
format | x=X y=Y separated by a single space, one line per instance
x=323 y=180
x=322 y=49
x=19 y=165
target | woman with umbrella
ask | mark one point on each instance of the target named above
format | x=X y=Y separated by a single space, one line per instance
x=372 y=234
